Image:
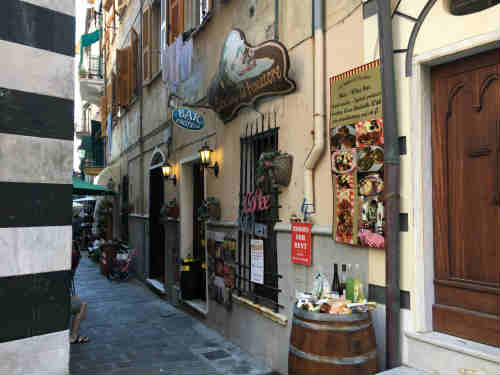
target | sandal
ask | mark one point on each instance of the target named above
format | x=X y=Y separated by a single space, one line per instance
x=80 y=340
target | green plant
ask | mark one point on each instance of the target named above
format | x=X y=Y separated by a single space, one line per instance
x=209 y=209
x=264 y=166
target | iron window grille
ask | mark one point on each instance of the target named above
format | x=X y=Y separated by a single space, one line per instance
x=259 y=137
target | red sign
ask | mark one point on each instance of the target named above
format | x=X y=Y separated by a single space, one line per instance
x=301 y=243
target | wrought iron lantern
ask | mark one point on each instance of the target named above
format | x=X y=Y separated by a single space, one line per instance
x=206 y=158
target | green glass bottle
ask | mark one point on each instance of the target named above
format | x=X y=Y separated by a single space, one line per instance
x=349 y=284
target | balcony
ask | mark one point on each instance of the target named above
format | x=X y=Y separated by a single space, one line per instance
x=91 y=79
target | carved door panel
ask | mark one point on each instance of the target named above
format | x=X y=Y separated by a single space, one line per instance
x=466 y=198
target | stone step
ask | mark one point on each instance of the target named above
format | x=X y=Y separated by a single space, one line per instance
x=442 y=354
x=403 y=370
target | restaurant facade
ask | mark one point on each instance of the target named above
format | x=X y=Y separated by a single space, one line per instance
x=270 y=113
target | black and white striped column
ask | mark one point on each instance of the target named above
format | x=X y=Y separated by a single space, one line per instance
x=37 y=43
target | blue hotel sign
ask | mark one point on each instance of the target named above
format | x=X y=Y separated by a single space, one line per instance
x=188 y=119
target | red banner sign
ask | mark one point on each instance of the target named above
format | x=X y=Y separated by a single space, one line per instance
x=301 y=243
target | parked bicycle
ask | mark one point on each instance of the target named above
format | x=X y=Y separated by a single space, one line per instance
x=123 y=267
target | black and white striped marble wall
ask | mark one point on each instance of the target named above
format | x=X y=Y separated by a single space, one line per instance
x=37 y=43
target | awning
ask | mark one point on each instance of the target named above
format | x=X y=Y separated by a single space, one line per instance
x=84 y=199
x=81 y=187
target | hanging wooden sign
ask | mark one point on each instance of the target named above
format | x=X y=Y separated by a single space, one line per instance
x=357 y=156
x=463 y=7
x=247 y=73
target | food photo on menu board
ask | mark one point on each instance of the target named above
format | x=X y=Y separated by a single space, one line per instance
x=357 y=156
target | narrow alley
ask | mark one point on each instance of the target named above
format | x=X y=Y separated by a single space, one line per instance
x=132 y=331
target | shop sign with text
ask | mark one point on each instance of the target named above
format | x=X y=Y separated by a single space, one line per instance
x=247 y=73
x=301 y=243
x=188 y=119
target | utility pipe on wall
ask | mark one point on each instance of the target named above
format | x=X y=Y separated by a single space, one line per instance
x=391 y=185
x=319 y=116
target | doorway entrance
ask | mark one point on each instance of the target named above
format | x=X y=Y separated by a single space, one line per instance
x=192 y=231
x=156 y=229
x=466 y=197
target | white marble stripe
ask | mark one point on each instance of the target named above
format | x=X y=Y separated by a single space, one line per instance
x=35 y=160
x=44 y=354
x=36 y=70
x=61 y=6
x=30 y=250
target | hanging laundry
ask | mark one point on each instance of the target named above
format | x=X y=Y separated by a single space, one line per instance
x=185 y=65
x=87 y=40
x=109 y=123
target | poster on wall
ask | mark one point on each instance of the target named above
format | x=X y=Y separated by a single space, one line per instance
x=301 y=243
x=257 y=261
x=357 y=156
x=221 y=258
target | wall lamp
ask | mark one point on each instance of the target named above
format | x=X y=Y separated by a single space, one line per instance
x=206 y=156
x=168 y=174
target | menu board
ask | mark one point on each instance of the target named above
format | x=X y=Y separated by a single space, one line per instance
x=357 y=156
x=257 y=261
x=221 y=258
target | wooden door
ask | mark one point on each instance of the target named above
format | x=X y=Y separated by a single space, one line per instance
x=466 y=197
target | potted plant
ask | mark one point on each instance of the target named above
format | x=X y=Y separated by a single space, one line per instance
x=209 y=209
x=171 y=209
x=83 y=73
x=275 y=167
x=127 y=208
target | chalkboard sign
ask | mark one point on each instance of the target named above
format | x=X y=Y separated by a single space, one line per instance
x=463 y=7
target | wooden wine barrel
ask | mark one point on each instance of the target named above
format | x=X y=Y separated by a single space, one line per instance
x=332 y=344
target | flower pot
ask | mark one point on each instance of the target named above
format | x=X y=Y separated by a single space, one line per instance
x=214 y=211
x=173 y=211
x=282 y=169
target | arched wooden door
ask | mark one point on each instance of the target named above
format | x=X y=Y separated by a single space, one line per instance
x=466 y=199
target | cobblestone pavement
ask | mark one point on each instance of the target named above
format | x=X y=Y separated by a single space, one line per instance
x=133 y=331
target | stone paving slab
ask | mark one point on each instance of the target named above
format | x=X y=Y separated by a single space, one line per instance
x=133 y=331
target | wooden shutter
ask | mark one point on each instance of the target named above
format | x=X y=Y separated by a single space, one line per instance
x=134 y=57
x=146 y=44
x=109 y=95
x=107 y=4
x=122 y=61
x=104 y=114
x=176 y=17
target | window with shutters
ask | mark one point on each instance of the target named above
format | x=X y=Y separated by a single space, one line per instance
x=122 y=67
x=107 y=4
x=146 y=44
x=134 y=59
x=104 y=113
x=175 y=25
x=155 y=37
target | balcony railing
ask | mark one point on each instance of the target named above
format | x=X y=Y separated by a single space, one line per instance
x=94 y=68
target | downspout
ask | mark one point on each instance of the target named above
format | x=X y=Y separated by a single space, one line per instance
x=141 y=108
x=276 y=19
x=391 y=176
x=319 y=116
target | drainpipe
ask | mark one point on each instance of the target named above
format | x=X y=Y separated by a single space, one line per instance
x=319 y=116
x=141 y=107
x=391 y=176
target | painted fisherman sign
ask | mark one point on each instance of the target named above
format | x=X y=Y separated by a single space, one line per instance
x=248 y=73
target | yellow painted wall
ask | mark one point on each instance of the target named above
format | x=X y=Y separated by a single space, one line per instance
x=440 y=29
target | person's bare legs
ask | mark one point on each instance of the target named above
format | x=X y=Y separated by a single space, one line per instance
x=76 y=323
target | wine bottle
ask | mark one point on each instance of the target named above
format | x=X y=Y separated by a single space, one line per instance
x=343 y=273
x=349 y=284
x=336 y=281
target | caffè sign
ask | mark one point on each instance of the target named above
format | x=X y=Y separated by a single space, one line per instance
x=248 y=73
x=463 y=7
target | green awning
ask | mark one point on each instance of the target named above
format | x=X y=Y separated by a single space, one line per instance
x=81 y=187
